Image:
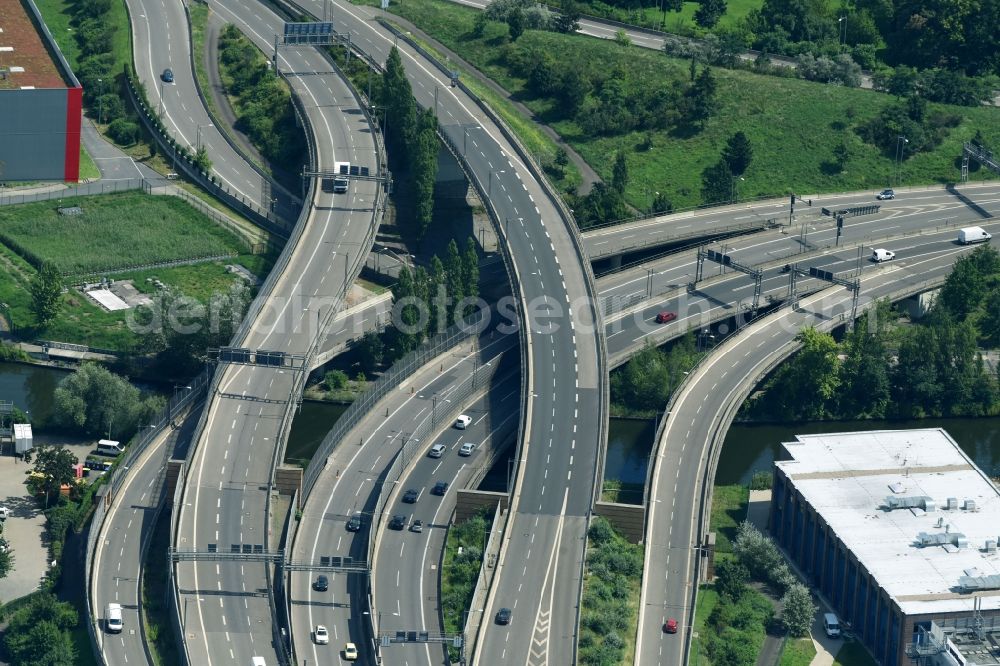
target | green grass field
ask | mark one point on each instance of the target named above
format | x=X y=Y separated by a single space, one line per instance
x=729 y=509
x=58 y=16
x=794 y=125
x=114 y=231
x=797 y=652
x=708 y=599
x=87 y=167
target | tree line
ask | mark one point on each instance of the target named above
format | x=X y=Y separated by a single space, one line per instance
x=263 y=104
x=647 y=381
x=886 y=370
x=411 y=142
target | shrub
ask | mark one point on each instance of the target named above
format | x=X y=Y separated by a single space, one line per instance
x=123 y=132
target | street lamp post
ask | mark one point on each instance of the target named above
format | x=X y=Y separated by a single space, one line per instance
x=842 y=30
x=100 y=103
x=197 y=145
x=901 y=142
x=736 y=189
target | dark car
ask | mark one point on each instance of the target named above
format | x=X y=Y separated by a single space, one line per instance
x=670 y=626
x=410 y=496
x=322 y=584
x=168 y=75
x=397 y=522
x=504 y=615
x=885 y=194
x=665 y=316
x=440 y=488
x=354 y=523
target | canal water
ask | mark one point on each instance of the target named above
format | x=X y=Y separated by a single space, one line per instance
x=309 y=428
x=31 y=388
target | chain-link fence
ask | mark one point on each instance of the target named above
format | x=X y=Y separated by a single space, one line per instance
x=56 y=192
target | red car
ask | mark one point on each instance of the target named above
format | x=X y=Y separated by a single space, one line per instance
x=670 y=626
x=665 y=316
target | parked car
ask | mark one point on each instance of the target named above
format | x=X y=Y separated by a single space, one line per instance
x=350 y=652
x=504 y=616
x=885 y=194
x=321 y=635
x=440 y=488
x=670 y=626
x=322 y=583
x=665 y=316
x=417 y=526
x=463 y=421
x=167 y=76
x=437 y=451
x=467 y=449
x=881 y=254
x=4 y=512
x=410 y=496
x=830 y=625
x=354 y=523
x=397 y=522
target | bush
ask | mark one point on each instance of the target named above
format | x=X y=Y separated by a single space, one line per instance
x=335 y=380
x=123 y=132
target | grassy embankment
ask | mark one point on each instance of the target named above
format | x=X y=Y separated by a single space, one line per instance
x=129 y=228
x=459 y=573
x=797 y=652
x=793 y=125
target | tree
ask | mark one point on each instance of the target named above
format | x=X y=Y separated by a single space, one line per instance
x=622 y=39
x=716 y=183
x=102 y=403
x=470 y=271
x=573 y=90
x=731 y=579
x=371 y=350
x=423 y=169
x=700 y=98
x=865 y=385
x=396 y=97
x=971 y=278
x=6 y=563
x=661 y=204
x=46 y=289
x=738 y=154
x=479 y=27
x=335 y=380
x=841 y=154
x=806 y=387
x=38 y=633
x=55 y=464
x=568 y=19
x=709 y=12
x=455 y=278
x=797 y=610
x=619 y=173
x=515 y=24
x=202 y=160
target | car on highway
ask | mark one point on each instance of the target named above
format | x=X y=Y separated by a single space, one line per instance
x=463 y=421
x=881 y=254
x=351 y=652
x=397 y=522
x=417 y=526
x=440 y=488
x=168 y=75
x=437 y=451
x=354 y=523
x=322 y=583
x=885 y=194
x=467 y=449
x=665 y=316
x=113 y=619
x=410 y=496
x=504 y=616
x=670 y=626
x=321 y=635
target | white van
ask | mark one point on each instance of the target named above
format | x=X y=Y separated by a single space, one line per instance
x=973 y=235
x=113 y=619
x=109 y=447
x=258 y=661
x=881 y=254
x=830 y=625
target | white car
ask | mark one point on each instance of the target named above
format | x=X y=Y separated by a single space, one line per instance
x=463 y=421
x=321 y=635
x=881 y=254
x=437 y=451
x=4 y=513
x=467 y=449
x=113 y=619
x=350 y=652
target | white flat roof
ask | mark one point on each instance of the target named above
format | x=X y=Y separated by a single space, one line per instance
x=108 y=299
x=846 y=478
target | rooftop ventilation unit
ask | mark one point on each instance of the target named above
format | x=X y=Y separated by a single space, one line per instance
x=991 y=546
x=914 y=501
x=970 y=505
x=952 y=503
x=954 y=538
x=973 y=583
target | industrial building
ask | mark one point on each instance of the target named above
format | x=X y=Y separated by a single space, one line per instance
x=898 y=530
x=40 y=100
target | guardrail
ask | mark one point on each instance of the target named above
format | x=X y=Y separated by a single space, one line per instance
x=10 y=198
x=115 y=479
x=707 y=232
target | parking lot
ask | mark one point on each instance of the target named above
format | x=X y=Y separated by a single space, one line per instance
x=25 y=528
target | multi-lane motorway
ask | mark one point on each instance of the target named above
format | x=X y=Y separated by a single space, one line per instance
x=224 y=607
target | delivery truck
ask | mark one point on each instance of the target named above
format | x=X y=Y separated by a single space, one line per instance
x=973 y=235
